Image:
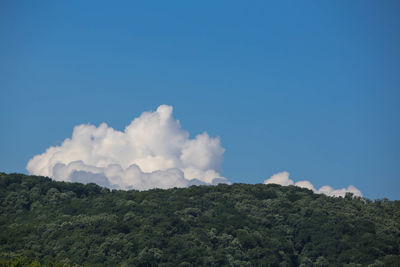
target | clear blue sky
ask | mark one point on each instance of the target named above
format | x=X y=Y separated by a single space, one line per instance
x=309 y=87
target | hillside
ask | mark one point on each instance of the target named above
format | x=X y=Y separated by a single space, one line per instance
x=236 y=225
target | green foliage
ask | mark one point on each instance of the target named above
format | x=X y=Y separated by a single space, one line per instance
x=48 y=223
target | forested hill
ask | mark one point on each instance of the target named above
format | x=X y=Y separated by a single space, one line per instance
x=48 y=222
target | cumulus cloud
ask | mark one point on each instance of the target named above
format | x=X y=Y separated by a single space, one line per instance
x=282 y=178
x=152 y=152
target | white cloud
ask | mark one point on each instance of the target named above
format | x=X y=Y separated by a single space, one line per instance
x=282 y=178
x=152 y=152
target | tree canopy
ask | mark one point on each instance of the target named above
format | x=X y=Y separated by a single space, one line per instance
x=44 y=222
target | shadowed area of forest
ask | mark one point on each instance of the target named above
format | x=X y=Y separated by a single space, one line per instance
x=48 y=223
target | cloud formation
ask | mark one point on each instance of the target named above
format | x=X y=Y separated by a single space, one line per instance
x=282 y=178
x=152 y=152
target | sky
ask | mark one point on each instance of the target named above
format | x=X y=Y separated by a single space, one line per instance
x=310 y=88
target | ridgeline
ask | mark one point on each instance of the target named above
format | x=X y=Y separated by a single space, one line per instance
x=48 y=223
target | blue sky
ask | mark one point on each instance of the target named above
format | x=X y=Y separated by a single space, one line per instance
x=309 y=87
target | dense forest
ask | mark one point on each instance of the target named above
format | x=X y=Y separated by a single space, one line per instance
x=49 y=223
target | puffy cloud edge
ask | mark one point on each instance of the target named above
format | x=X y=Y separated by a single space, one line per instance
x=153 y=151
x=282 y=178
